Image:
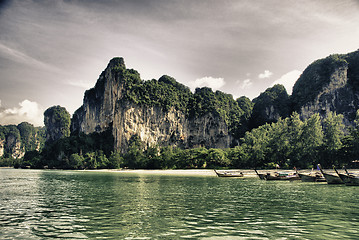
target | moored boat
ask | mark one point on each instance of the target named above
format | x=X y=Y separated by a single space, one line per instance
x=348 y=178
x=331 y=178
x=351 y=180
x=260 y=175
x=311 y=177
x=228 y=173
x=281 y=176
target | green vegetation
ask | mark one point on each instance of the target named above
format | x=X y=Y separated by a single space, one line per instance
x=353 y=70
x=290 y=142
x=314 y=78
x=266 y=131
x=167 y=93
x=16 y=140
x=270 y=105
x=57 y=122
x=93 y=148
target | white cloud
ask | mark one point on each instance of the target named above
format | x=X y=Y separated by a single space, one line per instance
x=266 y=74
x=20 y=57
x=81 y=84
x=214 y=83
x=288 y=80
x=246 y=84
x=27 y=111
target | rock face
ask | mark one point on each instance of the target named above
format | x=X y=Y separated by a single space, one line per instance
x=270 y=105
x=10 y=142
x=57 y=122
x=13 y=146
x=2 y=147
x=122 y=103
x=105 y=106
x=329 y=84
x=15 y=141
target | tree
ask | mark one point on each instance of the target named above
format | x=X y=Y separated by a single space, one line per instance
x=333 y=134
x=135 y=158
x=76 y=161
x=310 y=141
x=115 y=160
x=255 y=145
x=295 y=130
x=279 y=147
x=217 y=158
x=152 y=155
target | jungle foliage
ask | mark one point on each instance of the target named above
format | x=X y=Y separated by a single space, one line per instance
x=290 y=142
x=17 y=139
x=167 y=93
x=318 y=75
x=267 y=130
x=57 y=122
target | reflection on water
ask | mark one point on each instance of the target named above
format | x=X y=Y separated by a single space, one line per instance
x=89 y=205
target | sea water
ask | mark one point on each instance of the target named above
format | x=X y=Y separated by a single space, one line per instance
x=47 y=204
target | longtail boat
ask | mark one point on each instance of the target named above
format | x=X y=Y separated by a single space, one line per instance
x=281 y=176
x=351 y=180
x=330 y=178
x=311 y=177
x=228 y=173
x=260 y=175
x=348 y=178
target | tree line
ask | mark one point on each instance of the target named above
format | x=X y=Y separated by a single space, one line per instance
x=289 y=142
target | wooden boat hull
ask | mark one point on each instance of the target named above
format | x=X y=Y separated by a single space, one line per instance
x=269 y=177
x=349 y=180
x=260 y=175
x=229 y=174
x=332 y=179
x=311 y=178
x=307 y=178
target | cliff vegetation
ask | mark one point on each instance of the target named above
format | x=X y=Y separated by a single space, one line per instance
x=131 y=123
x=16 y=140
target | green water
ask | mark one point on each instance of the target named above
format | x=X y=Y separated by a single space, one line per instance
x=38 y=204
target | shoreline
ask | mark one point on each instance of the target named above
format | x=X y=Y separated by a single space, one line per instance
x=248 y=173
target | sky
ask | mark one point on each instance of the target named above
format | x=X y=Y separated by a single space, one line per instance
x=51 y=51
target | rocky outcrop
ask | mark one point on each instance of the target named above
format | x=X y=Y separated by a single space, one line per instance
x=155 y=126
x=329 y=85
x=123 y=104
x=270 y=105
x=2 y=147
x=57 y=122
x=15 y=141
x=11 y=145
x=107 y=106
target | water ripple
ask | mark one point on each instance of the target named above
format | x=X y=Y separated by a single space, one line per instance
x=82 y=205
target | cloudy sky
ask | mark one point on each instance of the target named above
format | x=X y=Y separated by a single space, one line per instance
x=52 y=51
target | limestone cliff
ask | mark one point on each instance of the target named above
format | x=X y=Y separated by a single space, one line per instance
x=118 y=102
x=329 y=84
x=2 y=147
x=14 y=147
x=57 y=122
x=15 y=141
x=10 y=142
x=270 y=105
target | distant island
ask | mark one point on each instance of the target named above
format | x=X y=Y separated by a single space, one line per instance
x=126 y=122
